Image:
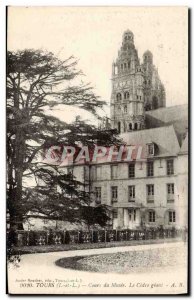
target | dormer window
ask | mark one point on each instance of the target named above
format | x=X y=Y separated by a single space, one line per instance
x=151 y=149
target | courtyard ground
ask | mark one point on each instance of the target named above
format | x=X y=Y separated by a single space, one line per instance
x=39 y=274
x=68 y=247
x=157 y=260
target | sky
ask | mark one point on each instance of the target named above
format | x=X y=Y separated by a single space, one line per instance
x=94 y=36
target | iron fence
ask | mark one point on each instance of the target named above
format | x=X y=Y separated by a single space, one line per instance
x=41 y=238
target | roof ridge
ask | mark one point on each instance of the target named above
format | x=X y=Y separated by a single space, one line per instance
x=146 y=129
x=166 y=107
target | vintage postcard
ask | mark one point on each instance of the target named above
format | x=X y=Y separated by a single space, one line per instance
x=97 y=150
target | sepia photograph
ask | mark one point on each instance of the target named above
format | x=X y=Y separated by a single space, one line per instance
x=97 y=107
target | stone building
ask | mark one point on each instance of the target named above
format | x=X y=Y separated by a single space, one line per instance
x=136 y=87
x=144 y=192
x=154 y=191
x=147 y=192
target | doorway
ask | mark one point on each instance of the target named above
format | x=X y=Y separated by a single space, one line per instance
x=132 y=217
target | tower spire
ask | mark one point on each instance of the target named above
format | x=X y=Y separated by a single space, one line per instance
x=127 y=102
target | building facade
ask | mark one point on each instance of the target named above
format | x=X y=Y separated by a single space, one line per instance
x=152 y=191
x=146 y=193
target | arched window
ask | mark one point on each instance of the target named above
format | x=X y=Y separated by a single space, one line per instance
x=129 y=65
x=125 y=65
x=135 y=126
x=126 y=95
x=119 y=127
x=130 y=126
x=119 y=96
x=121 y=67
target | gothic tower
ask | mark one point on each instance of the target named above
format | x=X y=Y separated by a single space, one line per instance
x=154 y=92
x=127 y=99
x=135 y=87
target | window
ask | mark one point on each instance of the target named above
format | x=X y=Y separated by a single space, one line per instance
x=131 y=193
x=119 y=97
x=130 y=126
x=125 y=109
x=114 y=193
x=119 y=127
x=115 y=214
x=170 y=192
x=131 y=170
x=170 y=188
x=150 y=189
x=151 y=216
x=98 y=173
x=132 y=214
x=150 y=168
x=150 y=149
x=135 y=126
x=98 y=194
x=170 y=167
x=70 y=170
x=172 y=216
x=114 y=169
x=126 y=95
x=150 y=193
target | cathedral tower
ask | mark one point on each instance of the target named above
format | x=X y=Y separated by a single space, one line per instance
x=135 y=87
x=127 y=99
x=154 y=92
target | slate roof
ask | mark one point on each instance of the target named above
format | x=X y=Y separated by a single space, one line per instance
x=172 y=115
x=169 y=114
x=164 y=137
x=184 y=147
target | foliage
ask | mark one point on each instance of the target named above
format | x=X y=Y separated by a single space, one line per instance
x=98 y=215
x=38 y=82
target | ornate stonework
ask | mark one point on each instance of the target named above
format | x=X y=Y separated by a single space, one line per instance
x=135 y=87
